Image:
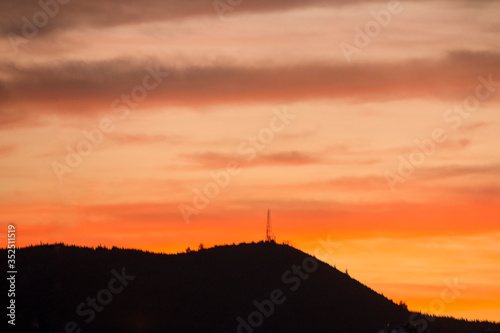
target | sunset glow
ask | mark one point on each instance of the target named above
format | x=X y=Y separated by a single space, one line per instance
x=177 y=123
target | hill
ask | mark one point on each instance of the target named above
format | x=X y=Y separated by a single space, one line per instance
x=246 y=288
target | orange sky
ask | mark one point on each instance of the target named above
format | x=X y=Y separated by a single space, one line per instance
x=164 y=125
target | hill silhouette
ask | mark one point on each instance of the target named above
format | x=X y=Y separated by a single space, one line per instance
x=258 y=287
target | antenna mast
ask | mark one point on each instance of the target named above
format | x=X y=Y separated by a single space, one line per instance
x=269 y=232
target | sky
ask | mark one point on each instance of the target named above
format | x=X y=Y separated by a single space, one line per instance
x=370 y=129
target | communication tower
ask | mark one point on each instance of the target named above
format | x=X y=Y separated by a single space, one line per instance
x=269 y=232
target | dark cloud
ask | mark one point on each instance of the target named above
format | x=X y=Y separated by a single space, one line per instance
x=105 y=13
x=289 y=158
x=75 y=14
x=213 y=160
x=84 y=87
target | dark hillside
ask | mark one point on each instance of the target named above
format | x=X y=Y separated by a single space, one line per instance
x=204 y=291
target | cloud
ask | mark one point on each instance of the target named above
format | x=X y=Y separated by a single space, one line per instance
x=289 y=158
x=85 y=87
x=140 y=138
x=483 y=192
x=473 y=127
x=456 y=171
x=10 y=119
x=105 y=13
x=433 y=180
x=456 y=144
x=6 y=150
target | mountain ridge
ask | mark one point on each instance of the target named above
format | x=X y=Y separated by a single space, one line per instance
x=249 y=287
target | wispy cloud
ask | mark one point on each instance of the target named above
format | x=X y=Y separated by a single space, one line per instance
x=141 y=138
x=6 y=150
x=84 y=87
x=287 y=158
x=93 y=13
